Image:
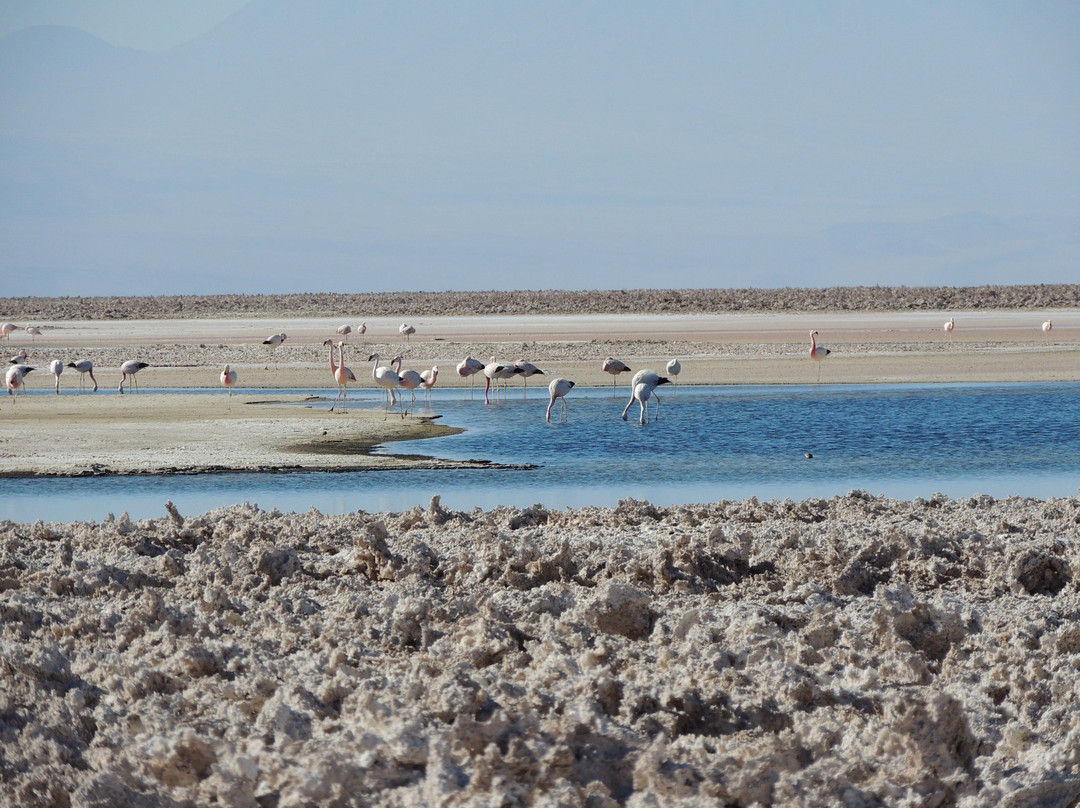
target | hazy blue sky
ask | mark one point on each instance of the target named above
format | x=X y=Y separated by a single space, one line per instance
x=367 y=145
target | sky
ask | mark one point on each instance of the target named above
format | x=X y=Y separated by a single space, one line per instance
x=369 y=145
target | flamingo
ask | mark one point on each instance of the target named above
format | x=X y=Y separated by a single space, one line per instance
x=652 y=380
x=949 y=326
x=385 y=378
x=6 y=329
x=527 y=369
x=228 y=379
x=642 y=394
x=1047 y=326
x=84 y=366
x=15 y=378
x=343 y=330
x=674 y=368
x=19 y=358
x=275 y=340
x=469 y=367
x=405 y=330
x=130 y=368
x=429 y=378
x=56 y=367
x=558 y=389
x=819 y=352
x=342 y=375
x=33 y=331
x=493 y=370
x=614 y=367
x=410 y=379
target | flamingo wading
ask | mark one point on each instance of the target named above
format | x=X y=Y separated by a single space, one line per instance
x=614 y=367
x=84 y=366
x=130 y=368
x=558 y=390
x=652 y=380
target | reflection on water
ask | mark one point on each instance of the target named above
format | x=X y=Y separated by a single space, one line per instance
x=709 y=443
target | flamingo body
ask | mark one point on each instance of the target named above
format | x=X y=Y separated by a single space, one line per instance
x=130 y=368
x=228 y=379
x=558 y=390
x=7 y=328
x=1047 y=326
x=614 y=367
x=15 y=378
x=495 y=370
x=652 y=380
x=84 y=366
x=949 y=326
x=429 y=377
x=56 y=367
x=387 y=379
x=406 y=330
x=527 y=369
x=674 y=368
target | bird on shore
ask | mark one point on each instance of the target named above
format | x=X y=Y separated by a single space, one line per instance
x=429 y=378
x=558 y=390
x=406 y=330
x=817 y=352
x=614 y=367
x=469 y=367
x=84 y=366
x=33 y=331
x=949 y=326
x=56 y=367
x=1047 y=326
x=525 y=370
x=130 y=368
x=674 y=368
x=387 y=379
x=342 y=375
x=343 y=330
x=15 y=378
x=649 y=378
x=273 y=341
x=6 y=329
x=19 y=358
x=228 y=379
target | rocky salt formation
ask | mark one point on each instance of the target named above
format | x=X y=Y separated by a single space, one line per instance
x=855 y=650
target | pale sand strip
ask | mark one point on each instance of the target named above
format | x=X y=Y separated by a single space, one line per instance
x=146 y=433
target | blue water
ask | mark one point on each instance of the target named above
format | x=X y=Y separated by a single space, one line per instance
x=709 y=443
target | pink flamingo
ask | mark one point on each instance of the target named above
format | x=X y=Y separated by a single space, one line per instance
x=651 y=379
x=15 y=378
x=406 y=330
x=84 y=366
x=6 y=329
x=558 y=390
x=56 y=367
x=949 y=326
x=527 y=369
x=614 y=367
x=469 y=367
x=130 y=368
x=33 y=331
x=228 y=379
x=342 y=375
x=410 y=379
x=493 y=370
x=817 y=352
x=343 y=330
x=1047 y=326
x=429 y=378
x=19 y=358
x=674 y=368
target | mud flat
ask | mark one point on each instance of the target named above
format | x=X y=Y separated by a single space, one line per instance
x=855 y=650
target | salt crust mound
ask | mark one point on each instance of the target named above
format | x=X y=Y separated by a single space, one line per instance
x=855 y=650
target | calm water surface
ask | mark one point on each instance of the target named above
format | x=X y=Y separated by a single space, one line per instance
x=709 y=443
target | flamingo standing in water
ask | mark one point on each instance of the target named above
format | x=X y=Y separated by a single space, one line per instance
x=949 y=326
x=429 y=378
x=642 y=394
x=130 y=368
x=228 y=379
x=342 y=375
x=674 y=368
x=33 y=331
x=614 y=367
x=385 y=378
x=1047 y=326
x=558 y=390
x=56 y=367
x=469 y=367
x=410 y=379
x=15 y=378
x=527 y=369
x=6 y=329
x=496 y=371
x=406 y=330
x=817 y=352
x=84 y=366
x=652 y=380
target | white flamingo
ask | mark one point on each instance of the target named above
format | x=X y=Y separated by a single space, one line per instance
x=15 y=378
x=33 y=331
x=949 y=326
x=228 y=379
x=273 y=341
x=525 y=370
x=674 y=368
x=496 y=371
x=429 y=378
x=385 y=378
x=84 y=366
x=817 y=352
x=1047 y=326
x=558 y=390
x=6 y=329
x=343 y=330
x=652 y=380
x=130 y=368
x=342 y=375
x=56 y=367
x=406 y=330
x=614 y=367
x=642 y=394
x=19 y=358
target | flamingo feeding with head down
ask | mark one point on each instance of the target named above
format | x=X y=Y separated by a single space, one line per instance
x=642 y=394
x=496 y=371
x=385 y=378
x=342 y=375
x=651 y=379
x=228 y=379
x=527 y=369
x=614 y=367
x=15 y=378
x=130 y=368
x=56 y=367
x=429 y=378
x=84 y=366
x=817 y=352
x=674 y=368
x=469 y=367
x=558 y=390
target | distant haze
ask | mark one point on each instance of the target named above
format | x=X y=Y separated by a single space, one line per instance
x=350 y=146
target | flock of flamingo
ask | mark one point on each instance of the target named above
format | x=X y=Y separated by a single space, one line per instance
x=392 y=379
